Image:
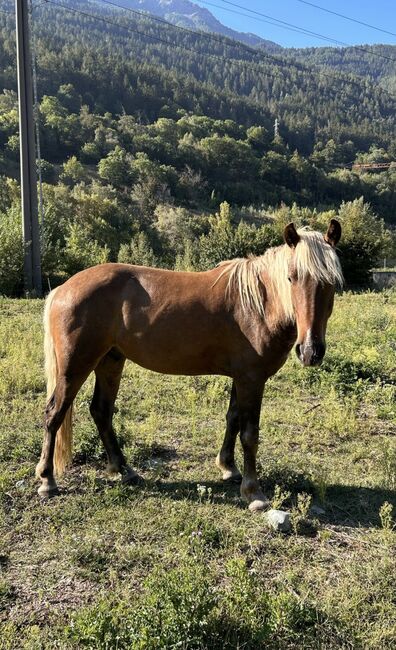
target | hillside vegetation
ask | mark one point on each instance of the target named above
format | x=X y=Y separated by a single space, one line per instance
x=143 y=136
x=181 y=560
x=188 y=14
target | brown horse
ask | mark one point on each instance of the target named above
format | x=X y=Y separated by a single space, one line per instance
x=239 y=319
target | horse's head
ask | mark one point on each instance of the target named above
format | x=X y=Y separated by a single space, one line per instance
x=313 y=272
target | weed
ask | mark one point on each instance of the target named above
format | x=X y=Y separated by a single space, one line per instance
x=204 y=493
x=321 y=483
x=385 y=515
x=300 y=521
x=279 y=498
x=388 y=464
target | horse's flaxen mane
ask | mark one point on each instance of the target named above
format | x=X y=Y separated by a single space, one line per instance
x=313 y=257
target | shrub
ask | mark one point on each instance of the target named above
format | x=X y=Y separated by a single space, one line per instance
x=11 y=252
x=116 y=168
x=225 y=241
x=364 y=241
x=72 y=171
x=138 y=251
x=82 y=251
x=184 y=608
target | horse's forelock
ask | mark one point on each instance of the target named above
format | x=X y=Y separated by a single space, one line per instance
x=314 y=257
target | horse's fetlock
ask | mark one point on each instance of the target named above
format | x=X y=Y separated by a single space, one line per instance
x=249 y=485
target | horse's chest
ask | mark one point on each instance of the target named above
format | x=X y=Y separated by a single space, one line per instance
x=273 y=350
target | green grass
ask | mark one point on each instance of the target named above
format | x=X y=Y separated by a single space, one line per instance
x=181 y=562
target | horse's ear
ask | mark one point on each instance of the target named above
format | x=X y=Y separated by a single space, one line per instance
x=333 y=234
x=291 y=235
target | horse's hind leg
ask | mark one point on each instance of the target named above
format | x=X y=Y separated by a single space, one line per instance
x=225 y=460
x=57 y=407
x=108 y=375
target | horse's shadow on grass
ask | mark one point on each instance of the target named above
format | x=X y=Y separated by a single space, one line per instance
x=355 y=506
x=344 y=505
x=216 y=492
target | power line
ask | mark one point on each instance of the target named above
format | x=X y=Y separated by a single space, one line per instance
x=272 y=21
x=249 y=65
x=294 y=28
x=211 y=36
x=321 y=36
x=353 y=20
x=155 y=38
x=144 y=14
x=189 y=49
x=298 y=30
x=299 y=66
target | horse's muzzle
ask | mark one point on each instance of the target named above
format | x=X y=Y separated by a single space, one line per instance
x=311 y=354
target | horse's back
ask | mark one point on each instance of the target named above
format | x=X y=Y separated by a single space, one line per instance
x=112 y=285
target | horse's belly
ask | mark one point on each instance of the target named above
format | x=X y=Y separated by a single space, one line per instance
x=177 y=352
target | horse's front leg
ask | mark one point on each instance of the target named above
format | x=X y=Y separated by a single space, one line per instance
x=225 y=460
x=249 y=397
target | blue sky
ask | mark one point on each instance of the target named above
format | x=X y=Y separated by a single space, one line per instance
x=381 y=13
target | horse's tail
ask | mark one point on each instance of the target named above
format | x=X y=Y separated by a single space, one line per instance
x=64 y=436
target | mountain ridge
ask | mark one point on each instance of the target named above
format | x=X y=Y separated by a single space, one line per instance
x=184 y=13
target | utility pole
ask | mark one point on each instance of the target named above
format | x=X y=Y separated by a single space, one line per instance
x=30 y=226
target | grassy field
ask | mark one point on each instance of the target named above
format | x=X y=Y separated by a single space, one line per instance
x=181 y=562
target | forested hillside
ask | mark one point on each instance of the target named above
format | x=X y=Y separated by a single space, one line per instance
x=140 y=120
x=188 y=14
x=374 y=62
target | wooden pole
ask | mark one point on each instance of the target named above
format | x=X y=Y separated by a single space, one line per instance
x=30 y=225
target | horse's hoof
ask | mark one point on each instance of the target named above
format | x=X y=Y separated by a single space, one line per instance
x=230 y=476
x=113 y=470
x=48 y=491
x=259 y=504
x=132 y=478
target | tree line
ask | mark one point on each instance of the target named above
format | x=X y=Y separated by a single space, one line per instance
x=137 y=157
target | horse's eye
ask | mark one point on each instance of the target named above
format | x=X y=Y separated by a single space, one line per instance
x=289 y=278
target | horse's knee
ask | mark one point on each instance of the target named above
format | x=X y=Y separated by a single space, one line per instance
x=249 y=438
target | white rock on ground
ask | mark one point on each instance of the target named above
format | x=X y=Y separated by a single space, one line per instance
x=279 y=520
